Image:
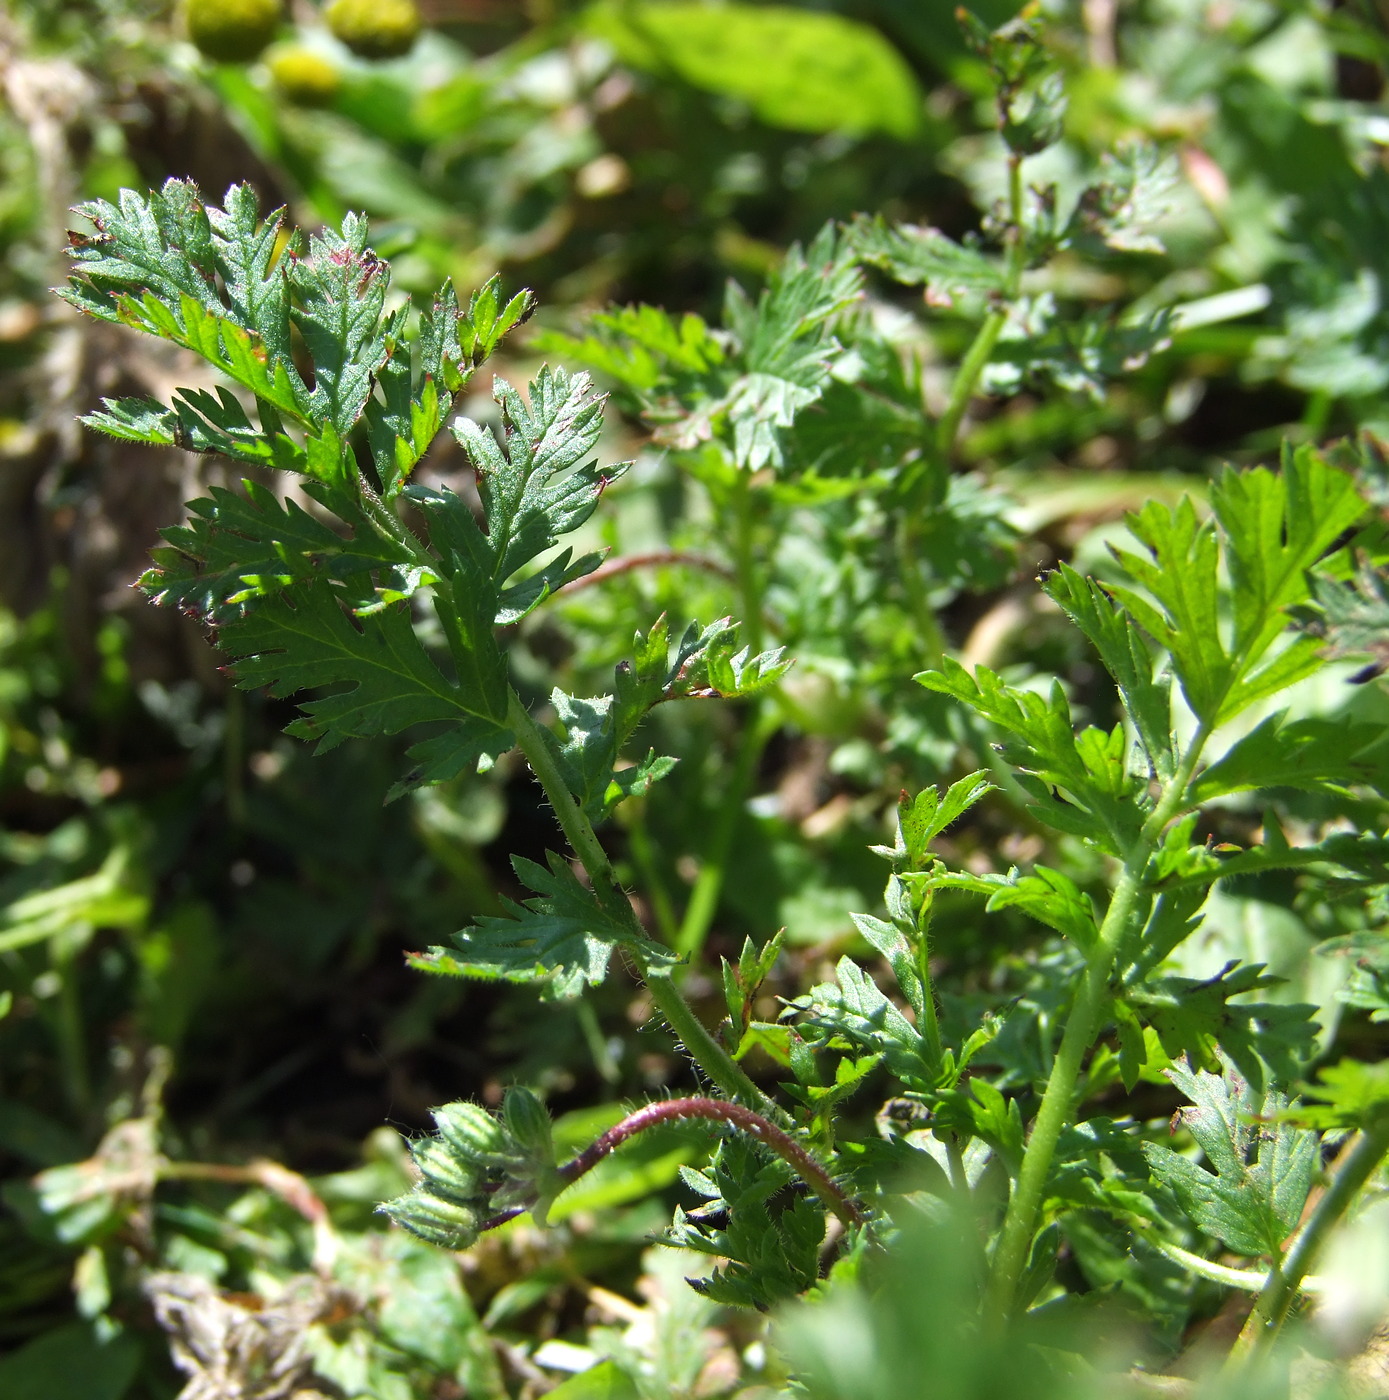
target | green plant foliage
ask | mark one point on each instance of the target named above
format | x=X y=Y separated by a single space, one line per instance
x=893 y=319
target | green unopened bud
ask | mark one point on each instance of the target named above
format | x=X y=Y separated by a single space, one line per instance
x=529 y=1125
x=445 y=1223
x=231 y=31
x=470 y=1130
x=443 y=1171
x=375 y=28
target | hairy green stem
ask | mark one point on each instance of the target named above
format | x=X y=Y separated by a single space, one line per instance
x=759 y=727
x=1126 y=906
x=928 y=1023
x=982 y=347
x=1357 y=1164
x=936 y=464
x=966 y=379
x=933 y=640
x=745 y=560
x=1245 y=1279
x=716 y=1063
x=704 y=897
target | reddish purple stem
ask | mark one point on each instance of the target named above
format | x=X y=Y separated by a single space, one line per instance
x=715 y=1111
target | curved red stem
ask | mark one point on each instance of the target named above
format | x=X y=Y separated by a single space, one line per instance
x=715 y=1111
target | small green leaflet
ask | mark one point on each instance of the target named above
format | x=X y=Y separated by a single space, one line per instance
x=1349 y=1095
x=1202 y=1019
x=852 y=1012
x=1099 y=1165
x=562 y=937
x=239 y=547
x=339 y=294
x=949 y=271
x=922 y=818
x=1081 y=783
x=787 y=343
x=1147 y=698
x=1316 y=755
x=1120 y=210
x=770 y=1255
x=649 y=353
x=987 y=1111
x=1261 y=1169
x=1363 y=856
x=537 y=486
x=1367 y=988
x=224 y=284
x=1047 y=895
x=743 y=980
x=411 y=409
x=1352 y=616
x=1080 y=355
x=1273 y=528
x=747 y=385
x=705 y=663
x=147 y=257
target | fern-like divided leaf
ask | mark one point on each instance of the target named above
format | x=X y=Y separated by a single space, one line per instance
x=535 y=484
x=232 y=287
x=747 y=386
x=1273 y=528
x=1204 y=1019
x=325 y=599
x=950 y=272
x=241 y=547
x=562 y=938
x=306 y=600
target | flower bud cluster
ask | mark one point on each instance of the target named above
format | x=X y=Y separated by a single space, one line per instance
x=475 y=1168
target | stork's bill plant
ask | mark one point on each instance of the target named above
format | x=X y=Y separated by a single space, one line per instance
x=1208 y=616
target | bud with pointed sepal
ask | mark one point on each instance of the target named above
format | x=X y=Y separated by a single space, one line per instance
x=472 y=1132
x=434 y=1219
x=529 y=1125
x=445 y=1171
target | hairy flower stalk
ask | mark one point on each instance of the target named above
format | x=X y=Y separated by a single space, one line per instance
x=478 y=1163
x=848 y=1210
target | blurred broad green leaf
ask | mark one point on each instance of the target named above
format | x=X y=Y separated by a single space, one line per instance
x=795 y=69
x=605 y=1381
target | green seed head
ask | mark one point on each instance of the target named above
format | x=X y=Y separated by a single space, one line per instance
x=375 y=28
x=306 y=78
x=231 y=31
